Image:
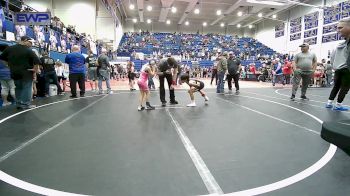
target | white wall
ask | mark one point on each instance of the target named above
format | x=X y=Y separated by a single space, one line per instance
x=81 y=13
x=40 y=5
x=265 y=31
x=104 y=24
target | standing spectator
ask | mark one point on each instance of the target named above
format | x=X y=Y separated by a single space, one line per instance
x=222 y=69
x=233 y=67
x=92 y=70
x=130 y=66
x=287 y=71
x=304 y=65
x=76 y=63
x=214 y=73
x=277 y=72
x=340 y=60
x=104 y=70
x=329 y=73
x=62 y=72
x=48 y=65
x=7 y=84
x=167 y=69
x=23 y=64
x=319 y=75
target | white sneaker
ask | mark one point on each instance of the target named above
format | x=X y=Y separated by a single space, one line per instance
x=206 y=98
x=191 y=104
x=6 y=104
x=110 y=92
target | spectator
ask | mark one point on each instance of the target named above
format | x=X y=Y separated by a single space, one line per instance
x=329 y=73
x=48 y=66
x=304 y=65
x=130 y=66
x=92 y=70
x=277 y=72
x=340 y=59
x=7 y=84
x=104 y=69
x=234 y=67
x=222 y=69
x=76 y=63
x=23 y=64
x=287 y=71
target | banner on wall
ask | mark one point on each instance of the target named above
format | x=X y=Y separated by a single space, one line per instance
x=329 y=28
x=345 y=6
x=330 y=38
x=311 y=41
x=2 y=22
x=332 y=14
x=279 y=30
x=295 y=29
x=295 y=22
x=294 y=37
x=279 y=27
x=310 y=33
x=279 y=34
x=32 y=18
x=311 y=20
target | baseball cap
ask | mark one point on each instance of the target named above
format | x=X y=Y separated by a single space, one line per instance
x=230 y=53
x=304 y=45
x=224 y=54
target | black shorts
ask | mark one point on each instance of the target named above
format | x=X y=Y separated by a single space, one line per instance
x=59 y=78
x=201 y=86
x=131 y=76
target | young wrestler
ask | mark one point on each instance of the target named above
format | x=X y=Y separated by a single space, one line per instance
x=195 y=85
x=146 y=71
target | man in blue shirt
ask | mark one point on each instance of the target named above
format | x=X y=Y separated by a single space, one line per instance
x=77 y=70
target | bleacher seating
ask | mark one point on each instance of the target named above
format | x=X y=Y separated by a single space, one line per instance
x=195 y=46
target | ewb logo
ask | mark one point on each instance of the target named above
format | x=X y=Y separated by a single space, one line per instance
x=32 y=18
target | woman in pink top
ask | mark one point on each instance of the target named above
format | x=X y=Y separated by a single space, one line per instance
x=146 y=70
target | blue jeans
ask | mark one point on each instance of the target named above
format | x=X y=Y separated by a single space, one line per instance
x=104 y=75
x=150 y=82
x=23 y=92
x=220 y=86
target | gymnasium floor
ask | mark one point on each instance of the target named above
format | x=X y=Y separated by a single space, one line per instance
x=258 y=142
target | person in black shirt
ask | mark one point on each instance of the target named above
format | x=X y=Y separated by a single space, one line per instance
x=23 y=63
x=167 y=69
x=234 y=67
x=92 y=70
x=48 y=66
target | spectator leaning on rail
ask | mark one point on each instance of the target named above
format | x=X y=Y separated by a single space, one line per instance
x=76 y=62
x=23 y=63
x=340 y=60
